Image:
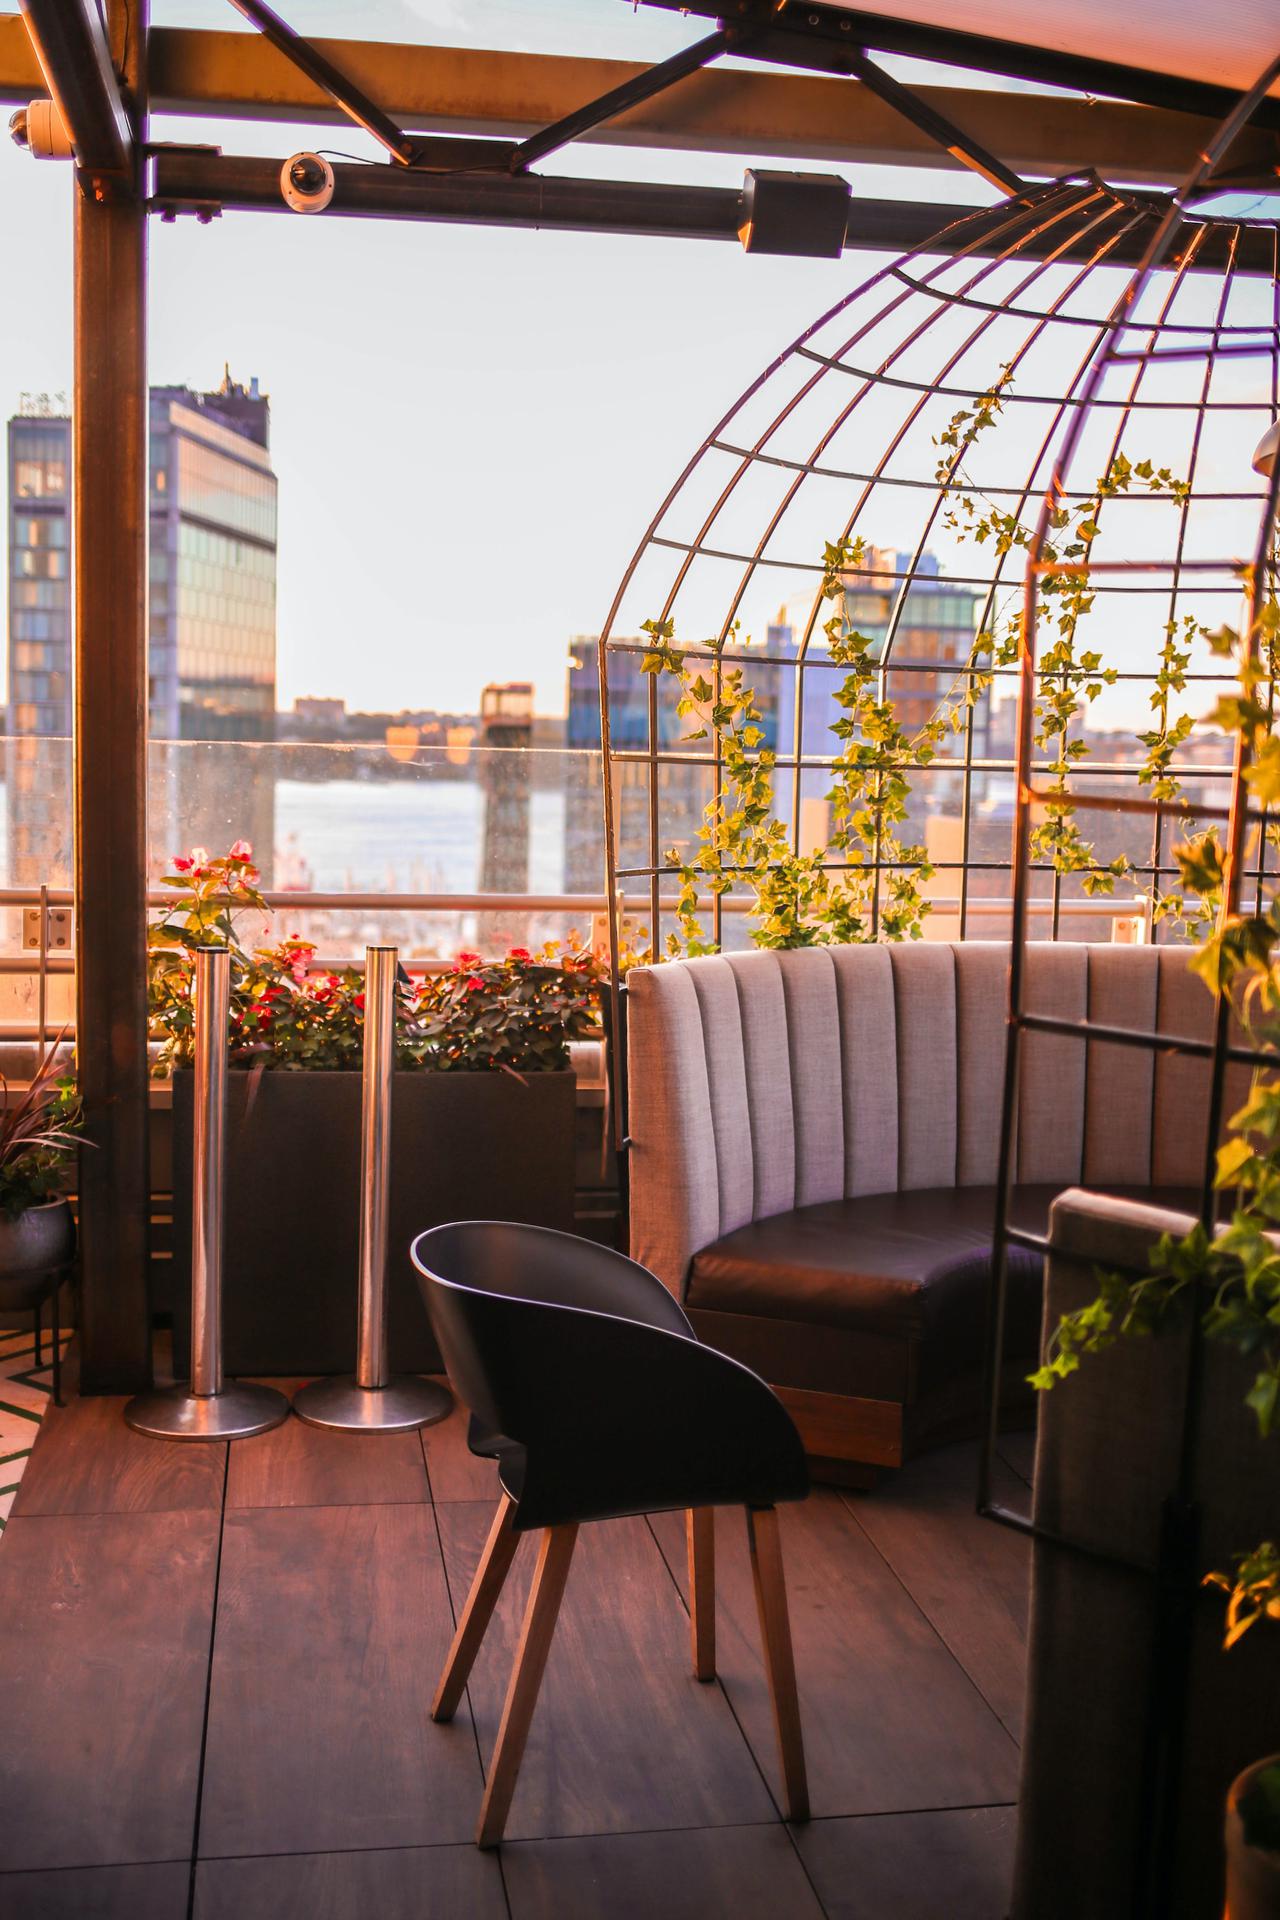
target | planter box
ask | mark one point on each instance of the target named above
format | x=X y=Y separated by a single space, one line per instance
x=463 y=1146
x=1106 y=1457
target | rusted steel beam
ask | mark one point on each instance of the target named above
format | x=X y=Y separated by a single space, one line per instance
x=790 y=116
x=69 y=41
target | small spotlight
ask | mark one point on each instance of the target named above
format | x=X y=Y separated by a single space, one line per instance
x=18 y=128
x=1264 y=454
x=803 y=214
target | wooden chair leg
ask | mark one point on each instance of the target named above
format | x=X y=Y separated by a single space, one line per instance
x=700 y=1533
x=495 y=1564
x=540 y=1614
x=775 y=1634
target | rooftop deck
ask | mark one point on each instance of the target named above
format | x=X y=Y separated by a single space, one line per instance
x=218 y=1666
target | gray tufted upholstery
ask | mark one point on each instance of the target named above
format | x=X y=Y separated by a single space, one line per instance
x=761 y=1082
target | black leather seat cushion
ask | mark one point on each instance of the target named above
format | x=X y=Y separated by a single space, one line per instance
x=887 y=1263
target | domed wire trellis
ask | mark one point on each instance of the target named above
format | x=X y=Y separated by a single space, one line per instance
x=842 y=437
x=1168 y=374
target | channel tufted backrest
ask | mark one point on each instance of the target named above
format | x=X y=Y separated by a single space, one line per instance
x=763 y=1081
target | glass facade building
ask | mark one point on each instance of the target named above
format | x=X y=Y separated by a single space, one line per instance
x=213 y=566
x=212 y=625
x=212 y=647
x=39 y=587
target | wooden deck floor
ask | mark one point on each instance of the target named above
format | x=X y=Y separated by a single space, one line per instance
x=215 y=1670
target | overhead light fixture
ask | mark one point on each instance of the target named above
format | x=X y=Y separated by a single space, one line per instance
x=1264 y=454
x=804 y=214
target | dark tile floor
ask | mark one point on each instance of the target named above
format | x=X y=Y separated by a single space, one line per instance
x=217 y=1666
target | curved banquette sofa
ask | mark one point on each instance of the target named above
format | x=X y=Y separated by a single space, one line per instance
x=814 y=1144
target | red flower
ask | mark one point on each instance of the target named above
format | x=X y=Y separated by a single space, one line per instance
x=241 y=851
x=182 y=863
x=358 y=1003
x=466 y=960
x=519 y=953
x=475 y=984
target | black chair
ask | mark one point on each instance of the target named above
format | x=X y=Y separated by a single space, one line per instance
x=587 y=1385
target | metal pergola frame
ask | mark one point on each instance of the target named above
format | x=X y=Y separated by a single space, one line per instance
x=108 y=70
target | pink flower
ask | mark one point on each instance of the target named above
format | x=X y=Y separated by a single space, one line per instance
x=182 y=863
x=199 y=856
x=241 y=851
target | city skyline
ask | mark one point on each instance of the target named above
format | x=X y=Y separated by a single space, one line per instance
x=472 y=426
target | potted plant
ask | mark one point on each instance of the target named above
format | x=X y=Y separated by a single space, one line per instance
x=1253 y=1843
x=39 y=1135
x=483 y=1110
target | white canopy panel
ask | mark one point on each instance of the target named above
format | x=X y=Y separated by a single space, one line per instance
x=1229 y=42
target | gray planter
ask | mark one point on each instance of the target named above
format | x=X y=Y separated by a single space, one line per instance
x=464 y=1146
x=34 y=1243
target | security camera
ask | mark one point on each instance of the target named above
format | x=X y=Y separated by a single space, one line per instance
x=306 y=181
x=38 y=127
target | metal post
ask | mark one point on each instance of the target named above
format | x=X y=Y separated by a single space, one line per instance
x=109 y=568
x=373 y=1401
x=210 y=1408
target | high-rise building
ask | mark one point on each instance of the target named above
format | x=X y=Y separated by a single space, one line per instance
x=933 y=631
x=212 y=666
x=933 y=635
x=212 y=658
x=39 y=584
x=685 y=785
x=212 y=628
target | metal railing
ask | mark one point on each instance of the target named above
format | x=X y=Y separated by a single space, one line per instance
x=45 y=965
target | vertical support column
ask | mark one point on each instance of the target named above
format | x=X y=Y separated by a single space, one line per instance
x=109 y=553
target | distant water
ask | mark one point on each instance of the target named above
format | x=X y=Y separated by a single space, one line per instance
x=403 y=836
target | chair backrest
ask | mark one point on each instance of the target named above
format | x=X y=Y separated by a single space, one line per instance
x=763 y=1081
x=586 y=1363
x=481 y=1279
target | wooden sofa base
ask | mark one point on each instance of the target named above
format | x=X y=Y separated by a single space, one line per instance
x=856 y=1436
x=842 y=1430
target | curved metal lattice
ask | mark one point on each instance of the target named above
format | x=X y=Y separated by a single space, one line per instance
x=923 y=416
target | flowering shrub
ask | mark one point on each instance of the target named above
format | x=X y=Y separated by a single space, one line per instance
x=516 y=1015
x=519 y=1013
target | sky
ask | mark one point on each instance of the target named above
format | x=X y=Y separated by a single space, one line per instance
x=471 y=426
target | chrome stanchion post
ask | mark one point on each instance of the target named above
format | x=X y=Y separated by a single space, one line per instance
x=211 y=1408
x=373 y=1401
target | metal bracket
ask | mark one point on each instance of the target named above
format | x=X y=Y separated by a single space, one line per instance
x=59 y=930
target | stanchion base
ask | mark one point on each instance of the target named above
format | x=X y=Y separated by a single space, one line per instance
x=405 y=1402
x=238 y=1410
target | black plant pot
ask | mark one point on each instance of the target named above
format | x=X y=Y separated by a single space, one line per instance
x=34 y=1242
x=463 y=1146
